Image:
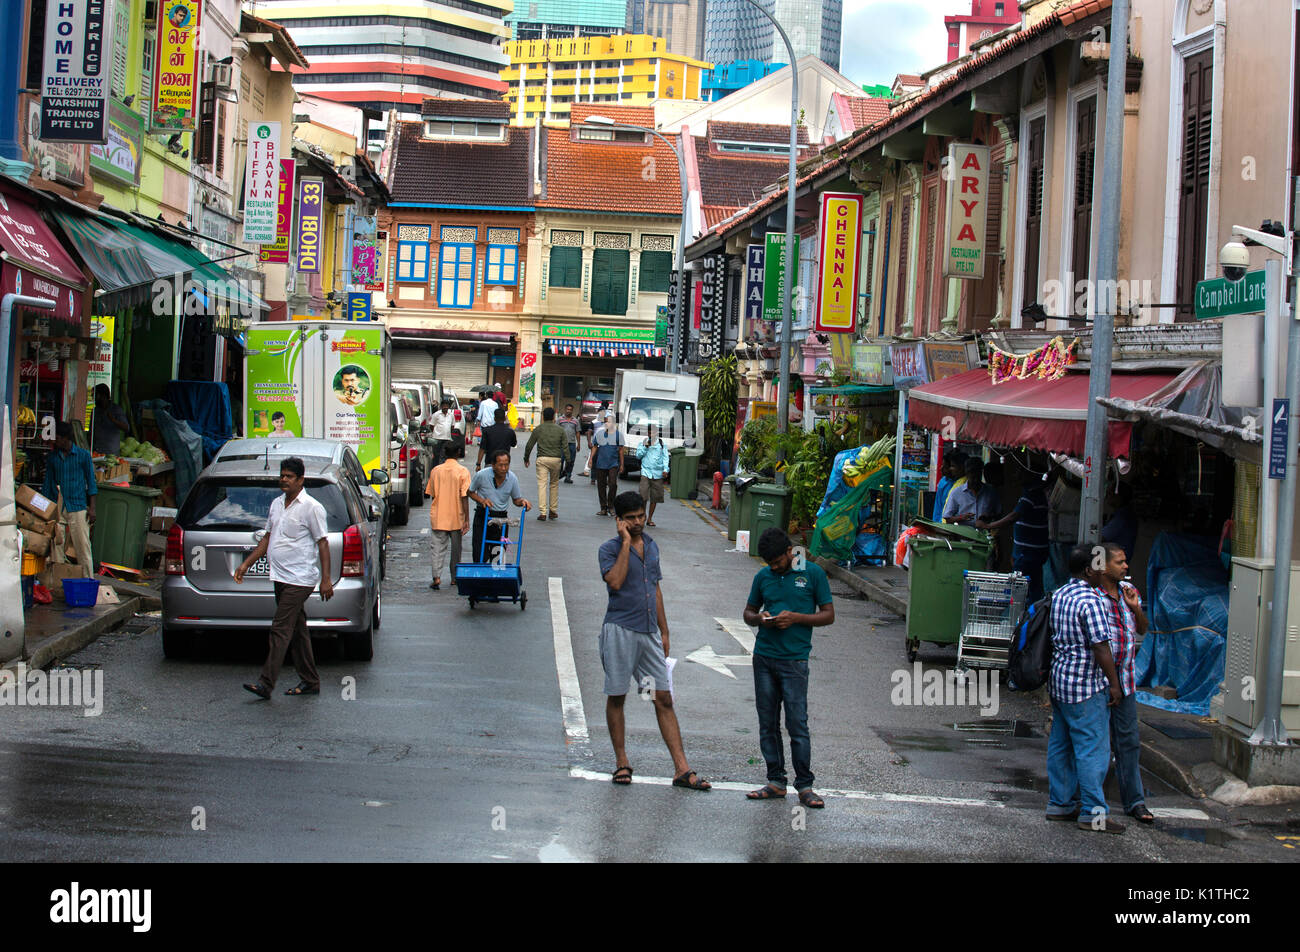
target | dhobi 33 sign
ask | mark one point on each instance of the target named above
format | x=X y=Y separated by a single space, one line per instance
x=967 y=211
x=311 y=217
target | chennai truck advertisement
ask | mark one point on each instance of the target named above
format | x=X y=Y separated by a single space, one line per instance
x=357 y=401
x=273 y=381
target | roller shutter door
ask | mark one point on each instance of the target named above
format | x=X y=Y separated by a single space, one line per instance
x=412 y=363
x=462 y=371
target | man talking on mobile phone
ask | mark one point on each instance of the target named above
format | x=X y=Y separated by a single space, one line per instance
x=634 y=639
x=789 y=597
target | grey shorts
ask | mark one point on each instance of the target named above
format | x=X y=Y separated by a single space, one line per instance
x=652 y=490
x=631 y=656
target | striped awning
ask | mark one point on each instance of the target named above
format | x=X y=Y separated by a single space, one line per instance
x=124 y=265
x=601 y=348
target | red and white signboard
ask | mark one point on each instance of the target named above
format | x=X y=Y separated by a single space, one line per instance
x=967 y=211
x=839 y=261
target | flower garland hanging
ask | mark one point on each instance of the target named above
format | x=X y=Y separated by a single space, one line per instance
x=1046 y=363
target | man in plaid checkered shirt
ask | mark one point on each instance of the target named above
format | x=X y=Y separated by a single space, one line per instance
x=1083 y=685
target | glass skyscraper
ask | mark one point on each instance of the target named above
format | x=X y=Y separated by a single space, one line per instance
x=544 y=19
x=736 y=31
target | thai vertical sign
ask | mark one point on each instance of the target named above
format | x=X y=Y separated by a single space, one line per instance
x=176 y=66
x=967 y=210
x=311 y=214
x=776 y=266
x=753 y=285
x=77 y=71
x=278 y=251
x=839 y=239
x=262 y=183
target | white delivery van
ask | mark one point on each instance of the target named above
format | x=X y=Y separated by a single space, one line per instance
x=671 y=401
x=327 y=380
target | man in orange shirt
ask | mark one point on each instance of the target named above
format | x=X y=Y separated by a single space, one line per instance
x=448 y=488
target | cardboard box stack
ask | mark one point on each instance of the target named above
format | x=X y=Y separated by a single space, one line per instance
x=38 y=520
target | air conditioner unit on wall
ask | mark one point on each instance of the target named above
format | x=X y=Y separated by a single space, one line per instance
x=222 y=75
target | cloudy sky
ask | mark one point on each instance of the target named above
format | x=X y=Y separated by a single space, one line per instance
x=882 y=38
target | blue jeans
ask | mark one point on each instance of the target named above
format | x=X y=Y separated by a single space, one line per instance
x=1033 y=570
x=1127 y=748
x=1078 y=756
x=778 y=682
x=567 y=471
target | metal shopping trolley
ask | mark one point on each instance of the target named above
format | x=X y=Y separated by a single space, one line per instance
x=498 y=579
x=992 y=605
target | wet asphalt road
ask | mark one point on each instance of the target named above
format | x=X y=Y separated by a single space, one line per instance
x=454 y=747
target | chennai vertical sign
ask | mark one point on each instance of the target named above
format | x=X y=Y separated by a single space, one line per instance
x=967 y=210
x=77 y=71
x=838 y=261
x=176 y=66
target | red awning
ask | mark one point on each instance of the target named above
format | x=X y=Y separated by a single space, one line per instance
x=1048 y=415
x=35 y=262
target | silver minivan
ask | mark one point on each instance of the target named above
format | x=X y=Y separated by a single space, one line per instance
x=222 y=520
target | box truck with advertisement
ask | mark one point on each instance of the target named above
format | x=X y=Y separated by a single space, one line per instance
x=328 y=380
x=671 y=401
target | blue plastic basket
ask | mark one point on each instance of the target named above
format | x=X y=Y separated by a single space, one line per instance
x=80 y=592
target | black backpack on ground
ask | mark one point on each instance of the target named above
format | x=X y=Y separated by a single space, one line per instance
x=1029 y=659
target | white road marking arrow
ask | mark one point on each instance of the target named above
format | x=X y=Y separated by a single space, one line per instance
x=706 y=656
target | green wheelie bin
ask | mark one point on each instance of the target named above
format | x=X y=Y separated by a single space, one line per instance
x=770 y=507
x=121 y=524
x=934 y=599
x=681 y=474
x=741 y=503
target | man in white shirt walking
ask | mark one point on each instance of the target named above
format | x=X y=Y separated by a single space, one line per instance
x=487 y=409
x=443 y=421
x=295 y=537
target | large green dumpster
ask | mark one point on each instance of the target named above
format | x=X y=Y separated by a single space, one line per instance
x=682 y=482
x=770 y=507
x=121 y=524
x=935 y=589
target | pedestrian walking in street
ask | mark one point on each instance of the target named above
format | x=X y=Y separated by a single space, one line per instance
x=70 y=470
x=443 y=424
x=588 y=430
x=572 y=431
x=448 y=492
x=298 y=553
x=487 y=409
x=1127 y=621
x=552 y=454
x=634 y=639
x=493 y=489
x=1029 y=535
x=1083 y=685
x=973 y=499
x=499 y=436
x=608 y=463
x=654 y=470
x=786 y=601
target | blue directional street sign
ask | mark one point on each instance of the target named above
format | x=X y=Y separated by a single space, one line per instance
x=1277 y=441
x=358 y=306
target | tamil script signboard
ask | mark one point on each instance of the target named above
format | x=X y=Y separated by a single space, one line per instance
x=176 y=67
x=262 y=183
x=967 y=211
x=776 y=266
x=1219 y=297
x=77 y=71
x=838 y=261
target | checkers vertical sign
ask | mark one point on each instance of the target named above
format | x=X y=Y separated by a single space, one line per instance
x=77 y=71
x=262 y=184
x=967 y=210
x=839 y=262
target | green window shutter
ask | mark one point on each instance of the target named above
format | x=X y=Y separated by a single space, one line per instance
x=566 y=267
x=656 y=271
x=609 y=270
x=121 y=45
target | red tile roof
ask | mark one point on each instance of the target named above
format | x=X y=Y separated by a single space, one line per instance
x=867 y=110
x=467 y=108
x=900 y=116
x=735 y=180
x=753 y=132
x=454 y=173
x=610 y=176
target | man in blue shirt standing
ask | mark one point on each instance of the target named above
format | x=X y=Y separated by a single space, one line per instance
x=654 y=469
x=634 y=639
x=786 y=601
x=70 y=471
x=953 y=470
x=610 y=448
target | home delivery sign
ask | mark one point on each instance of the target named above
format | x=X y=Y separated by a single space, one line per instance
x=967 y=210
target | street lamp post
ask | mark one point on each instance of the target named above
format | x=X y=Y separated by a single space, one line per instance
x=679 y=319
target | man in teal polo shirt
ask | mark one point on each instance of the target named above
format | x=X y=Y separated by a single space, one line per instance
x=786 y=601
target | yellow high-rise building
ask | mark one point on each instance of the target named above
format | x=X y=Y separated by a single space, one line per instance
x=545 y=77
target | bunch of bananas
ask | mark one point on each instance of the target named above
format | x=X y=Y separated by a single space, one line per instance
x=883 y=447
x=26 y=416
